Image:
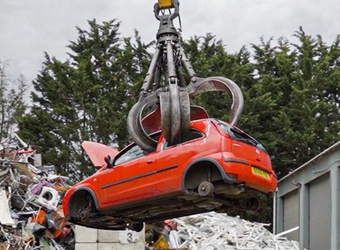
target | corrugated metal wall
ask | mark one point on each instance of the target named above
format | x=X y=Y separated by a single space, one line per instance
x=291 y=214
x=320 y=213
x=309 y=198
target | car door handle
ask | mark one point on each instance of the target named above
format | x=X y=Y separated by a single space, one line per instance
x=150 y=161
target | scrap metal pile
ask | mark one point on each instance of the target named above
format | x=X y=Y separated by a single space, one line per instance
x=218 y=231
x=30 y=196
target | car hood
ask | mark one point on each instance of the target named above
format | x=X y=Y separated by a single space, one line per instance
x=97 y=152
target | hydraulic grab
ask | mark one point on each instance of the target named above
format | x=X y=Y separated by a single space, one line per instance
x=165 y=98
x=217 y=166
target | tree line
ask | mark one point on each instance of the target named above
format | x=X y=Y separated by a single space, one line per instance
x=291 y=90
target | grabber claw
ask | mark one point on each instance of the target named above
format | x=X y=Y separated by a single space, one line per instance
x=165 y=96
x=218 y=83
x=175 y=114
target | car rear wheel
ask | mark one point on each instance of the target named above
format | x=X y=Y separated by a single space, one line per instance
x=206 y=189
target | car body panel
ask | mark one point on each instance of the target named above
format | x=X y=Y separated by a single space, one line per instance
x=141 y=186
x=134 y=179
x=97 y=152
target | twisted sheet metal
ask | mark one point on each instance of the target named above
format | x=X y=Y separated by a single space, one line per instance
x=218 y=231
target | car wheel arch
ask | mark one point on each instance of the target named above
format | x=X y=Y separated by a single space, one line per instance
x=78 y=198
x=192 y=178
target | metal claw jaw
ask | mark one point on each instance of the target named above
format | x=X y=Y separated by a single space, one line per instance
x=170 y=113
x=134 y=121
x=170 y=105
x=218 y=83
x=173 y=112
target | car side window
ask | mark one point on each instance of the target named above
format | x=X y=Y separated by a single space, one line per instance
x=192 y=135
x=133 y=153
x=239 y=135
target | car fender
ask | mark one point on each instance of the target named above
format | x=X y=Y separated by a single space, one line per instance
x=225 y=176
x=87 y=189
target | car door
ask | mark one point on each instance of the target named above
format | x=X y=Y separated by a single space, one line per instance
x=131 y=178
x=172 y=161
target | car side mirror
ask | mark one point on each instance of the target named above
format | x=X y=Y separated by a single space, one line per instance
x=109 y=161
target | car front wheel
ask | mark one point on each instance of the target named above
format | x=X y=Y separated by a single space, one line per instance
x=82 y=206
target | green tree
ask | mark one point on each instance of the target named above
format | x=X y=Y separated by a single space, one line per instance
x=292 y=104
x=312 y=111
x=291 y=95
x=12 y=101
x=85 y=98
x=210 y=58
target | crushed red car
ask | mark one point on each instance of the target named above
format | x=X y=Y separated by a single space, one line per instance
x=218 y=167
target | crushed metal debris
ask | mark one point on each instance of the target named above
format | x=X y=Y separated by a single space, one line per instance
x=218 y=231
x=30 y=197
x=31 y=215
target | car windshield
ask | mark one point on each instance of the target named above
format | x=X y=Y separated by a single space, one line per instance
x=239 y=135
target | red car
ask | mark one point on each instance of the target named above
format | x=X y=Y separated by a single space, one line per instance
x=217 y=167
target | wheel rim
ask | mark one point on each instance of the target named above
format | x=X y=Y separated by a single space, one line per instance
x=206 y=188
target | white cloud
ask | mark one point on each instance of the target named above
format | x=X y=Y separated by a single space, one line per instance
x=28 y=28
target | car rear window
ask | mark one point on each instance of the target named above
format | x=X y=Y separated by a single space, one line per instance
x=239 y=135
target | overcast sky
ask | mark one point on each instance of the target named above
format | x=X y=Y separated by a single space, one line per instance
x=28 y=28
